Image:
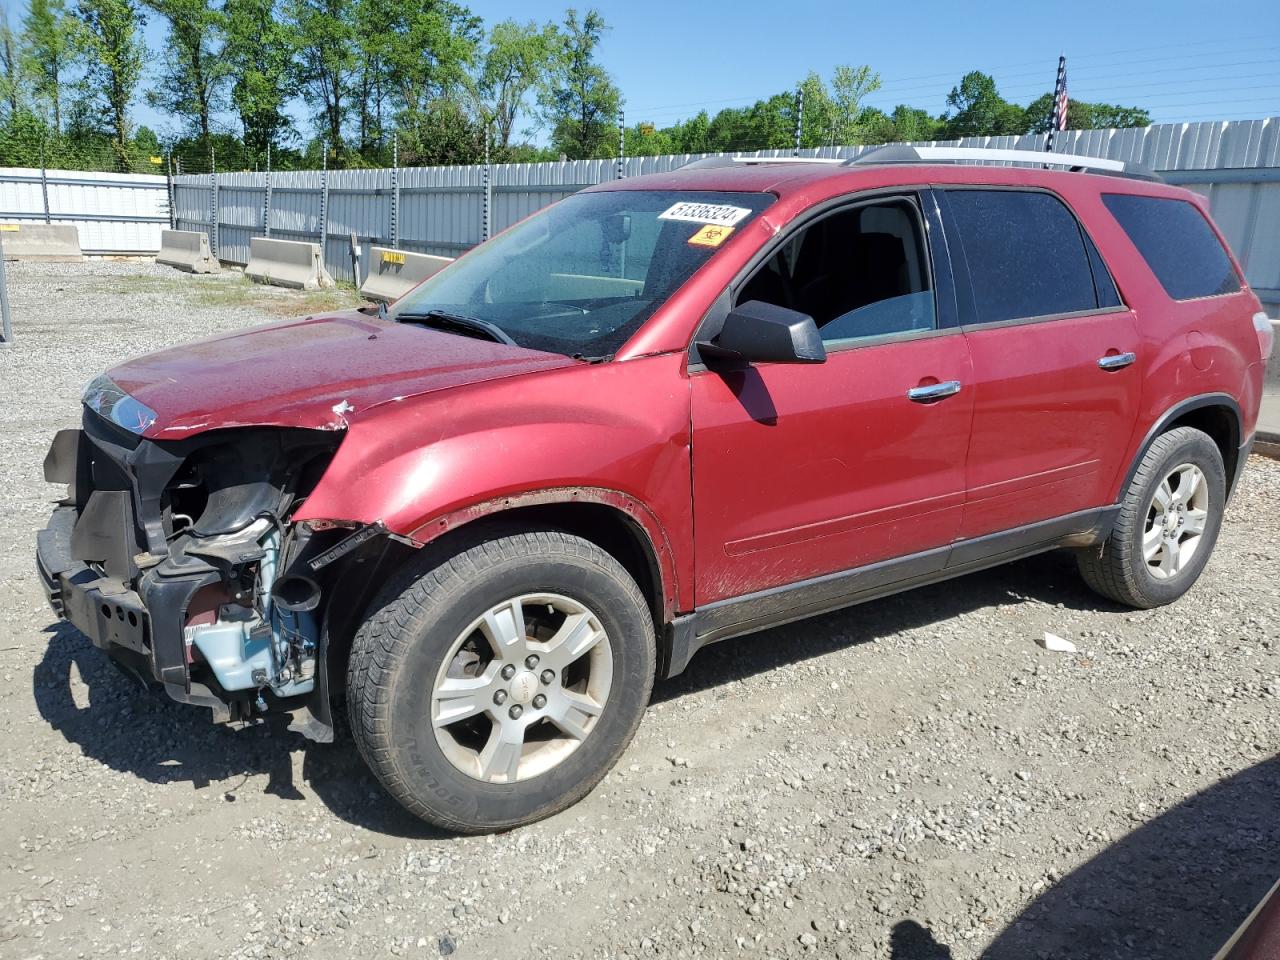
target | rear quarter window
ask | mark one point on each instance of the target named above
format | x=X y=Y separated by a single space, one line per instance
x=1026 y=254
x=1178 y=244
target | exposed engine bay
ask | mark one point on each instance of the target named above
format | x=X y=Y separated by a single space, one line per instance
x=180 y=559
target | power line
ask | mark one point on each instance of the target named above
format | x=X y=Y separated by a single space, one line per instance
x=896 y=86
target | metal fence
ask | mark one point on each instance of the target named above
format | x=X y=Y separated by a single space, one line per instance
x=447 y=210
x=115 y=213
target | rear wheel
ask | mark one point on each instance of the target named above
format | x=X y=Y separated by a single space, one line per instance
x=1167 y=526
x=497 y=684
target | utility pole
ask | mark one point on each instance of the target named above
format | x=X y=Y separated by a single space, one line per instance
x=486 y=211
x=795 y=152
x=324 y=198
x=6 y=325
x=266 y=196
x=213 y=202
x=395 y=190
x=622 y=146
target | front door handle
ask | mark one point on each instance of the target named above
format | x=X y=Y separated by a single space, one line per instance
x=934 y=392
x=1117 y=361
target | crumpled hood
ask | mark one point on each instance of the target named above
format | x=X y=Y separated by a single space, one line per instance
x=312 y=373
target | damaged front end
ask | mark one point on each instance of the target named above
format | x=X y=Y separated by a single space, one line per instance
x=179 y=558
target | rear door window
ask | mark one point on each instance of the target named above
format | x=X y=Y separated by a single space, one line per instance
x=1026 y=254
x=1178 y=244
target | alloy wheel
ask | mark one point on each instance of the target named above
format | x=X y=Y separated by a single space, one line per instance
x=522 y=687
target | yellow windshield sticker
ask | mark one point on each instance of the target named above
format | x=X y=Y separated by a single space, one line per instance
x=710 y=236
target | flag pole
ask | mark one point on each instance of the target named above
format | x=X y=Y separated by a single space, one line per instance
x=1058 y=116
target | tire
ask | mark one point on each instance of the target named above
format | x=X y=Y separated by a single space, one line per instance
x=1119 y=568
x=406 y=651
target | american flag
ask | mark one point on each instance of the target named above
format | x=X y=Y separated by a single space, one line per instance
x=1059 y=119
x=1060 y=102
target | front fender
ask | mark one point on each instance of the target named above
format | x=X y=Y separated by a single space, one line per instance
x=614 y=433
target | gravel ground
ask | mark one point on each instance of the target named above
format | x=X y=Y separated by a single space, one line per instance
x=914 y=778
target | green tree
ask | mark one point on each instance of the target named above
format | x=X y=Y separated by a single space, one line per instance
x=646 y=140
x=327 y=59
x=372 y=76
x=259 y=56
x=10 y=66
x=978 y=110
x=819 y=118
x=114 y=60
x=692 y=135
x=582 y=101
x=1082 y=115
x=765 y=125
x=517 y=58
x=51 y=42
x=428 y=47
x=849 y=87
x=912 y=123
x=193 y=73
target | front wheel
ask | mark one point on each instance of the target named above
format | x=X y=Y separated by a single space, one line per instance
x=1167 y=525
x=495 y=685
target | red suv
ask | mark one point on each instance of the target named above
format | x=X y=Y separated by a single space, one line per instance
x=662 y=412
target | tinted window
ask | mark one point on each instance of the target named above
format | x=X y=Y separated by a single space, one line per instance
x=1177 y=243
x=1103 y=286
x=1025 y=252
x=859 y=273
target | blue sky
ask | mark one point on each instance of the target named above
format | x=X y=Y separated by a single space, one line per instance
x=1180 y=60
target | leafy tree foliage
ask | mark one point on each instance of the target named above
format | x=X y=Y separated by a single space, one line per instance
x=52 y=45
x=11 y=79
x=113 y=65
x=258 y=54
x=517 y=59
x=1082 y=115
x=976 y=109
x=582 y=101
x=424 y=75
x=193 y=74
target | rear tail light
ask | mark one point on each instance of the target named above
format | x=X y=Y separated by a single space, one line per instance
x=1266 y=334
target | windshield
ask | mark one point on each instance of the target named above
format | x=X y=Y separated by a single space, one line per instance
x=582 y=276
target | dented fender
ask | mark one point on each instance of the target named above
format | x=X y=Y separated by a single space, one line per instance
x=429 y=464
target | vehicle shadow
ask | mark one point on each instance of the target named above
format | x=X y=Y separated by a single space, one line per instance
x=1174 y=889
x=1048 y=579
x=910 y=941
x=133 y=729
x=138 y=730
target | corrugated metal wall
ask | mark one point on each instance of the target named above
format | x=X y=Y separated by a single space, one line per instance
x=441 y=210
x=114 y=212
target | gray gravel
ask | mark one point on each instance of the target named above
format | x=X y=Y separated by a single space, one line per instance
x=915 y=778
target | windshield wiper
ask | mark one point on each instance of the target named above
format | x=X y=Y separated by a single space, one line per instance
x=444 y=319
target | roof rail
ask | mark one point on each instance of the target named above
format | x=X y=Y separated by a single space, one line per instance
x=835 y=160
x=905 y=153
x=724 y=161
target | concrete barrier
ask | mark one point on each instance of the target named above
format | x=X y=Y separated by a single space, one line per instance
x=287 y=263
x=47 y=242
x=187 y=250
x=393 y=273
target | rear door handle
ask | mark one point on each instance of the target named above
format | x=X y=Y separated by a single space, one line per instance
x=934 y=392
x=1117 y=361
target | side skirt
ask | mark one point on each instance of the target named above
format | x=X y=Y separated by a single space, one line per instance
x=736 y=616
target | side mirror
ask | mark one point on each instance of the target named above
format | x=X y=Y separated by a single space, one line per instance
x=759 y=332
